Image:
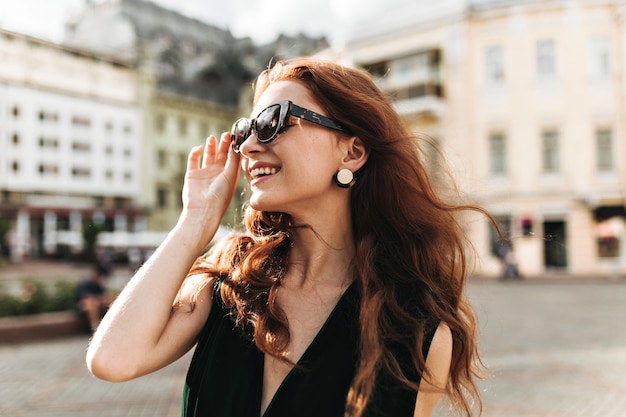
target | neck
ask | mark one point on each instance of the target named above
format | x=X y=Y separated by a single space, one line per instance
x=321 y=257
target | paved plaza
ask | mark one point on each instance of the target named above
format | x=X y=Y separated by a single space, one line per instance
x=553 y=349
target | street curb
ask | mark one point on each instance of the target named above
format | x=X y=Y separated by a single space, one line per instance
x=41 y=326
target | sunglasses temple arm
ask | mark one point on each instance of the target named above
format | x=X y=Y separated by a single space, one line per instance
x=314 y=117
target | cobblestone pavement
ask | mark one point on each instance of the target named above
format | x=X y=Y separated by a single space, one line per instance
x=50 y=379
x=553 y=349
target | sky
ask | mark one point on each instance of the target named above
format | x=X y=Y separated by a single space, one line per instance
x=262 y=20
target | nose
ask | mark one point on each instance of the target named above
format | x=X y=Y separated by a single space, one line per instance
x=251 y=144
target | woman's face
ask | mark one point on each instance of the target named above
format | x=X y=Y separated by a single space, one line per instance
x=294 y=172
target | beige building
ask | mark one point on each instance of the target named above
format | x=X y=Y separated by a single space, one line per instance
x=526 y=99
x=173 y=125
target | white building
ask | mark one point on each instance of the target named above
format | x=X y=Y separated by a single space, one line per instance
x=526 y=98
x=70 y=136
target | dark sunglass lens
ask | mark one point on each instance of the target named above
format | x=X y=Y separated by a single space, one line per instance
x=267 y=123
x=240 y=132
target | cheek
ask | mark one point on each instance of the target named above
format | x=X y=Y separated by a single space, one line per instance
x=311 y=174
x=244 y=168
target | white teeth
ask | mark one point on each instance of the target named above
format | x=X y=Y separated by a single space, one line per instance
x=262 y=171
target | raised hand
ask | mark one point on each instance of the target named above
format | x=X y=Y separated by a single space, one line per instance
x=210 y=181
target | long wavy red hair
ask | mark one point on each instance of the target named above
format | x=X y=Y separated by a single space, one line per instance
x=408 y=241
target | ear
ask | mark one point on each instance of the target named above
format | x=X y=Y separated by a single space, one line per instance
x=355 y=153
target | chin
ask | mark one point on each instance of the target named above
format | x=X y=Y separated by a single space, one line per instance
x=266 y=203
x=260 y=203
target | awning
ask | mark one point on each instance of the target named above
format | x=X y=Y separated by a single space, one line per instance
x=605 y=212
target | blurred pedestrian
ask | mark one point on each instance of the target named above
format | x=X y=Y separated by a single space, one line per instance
x=509 y=262
x=104 y=260
x=91 y=299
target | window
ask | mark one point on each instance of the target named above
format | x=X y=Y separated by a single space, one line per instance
x=81 y=147
x=81 y=172
x=48 y=169
x=604 y=150
x=49 y=143
x=599 y=58
x=159 y=123
x=15 y=111
x=47 y=116
x=550 y=151
x=411 y=76
x=494 y=65
x=378 y=70
x=608 y=247
x=546 y=65
x=406 y=71
x=119 y=203
x=608 y=240
x=161 y=158
x=16 y=139
x=81 y=121
x=161 y=197
x=182 y=126
x=497 y=154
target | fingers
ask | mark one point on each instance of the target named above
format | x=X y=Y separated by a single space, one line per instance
x=212 y=152
x=224 y=146
x=209 y=151
x=221 y=150
x=193 y=160
x=232 y=164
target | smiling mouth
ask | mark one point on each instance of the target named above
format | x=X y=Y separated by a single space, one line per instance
x=261 y=172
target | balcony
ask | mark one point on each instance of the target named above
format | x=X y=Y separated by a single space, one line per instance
x=413 y=82
x=425 y=99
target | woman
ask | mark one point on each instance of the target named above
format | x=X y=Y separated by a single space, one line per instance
x=345 y=294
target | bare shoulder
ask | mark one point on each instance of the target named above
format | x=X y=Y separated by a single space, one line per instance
x=437 y=372
x=195 y=292
x=441 y=346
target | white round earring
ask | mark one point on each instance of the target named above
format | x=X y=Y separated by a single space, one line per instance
x=344 y=178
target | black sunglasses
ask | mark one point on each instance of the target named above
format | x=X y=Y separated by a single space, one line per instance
x=273 y=120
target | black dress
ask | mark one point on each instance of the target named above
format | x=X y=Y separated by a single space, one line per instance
x=225 y=376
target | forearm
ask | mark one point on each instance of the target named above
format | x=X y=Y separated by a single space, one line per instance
x=130 y=334
x=140 y=333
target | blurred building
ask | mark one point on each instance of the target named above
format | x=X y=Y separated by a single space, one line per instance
x=95 y=133
x=526 y=99
x=70 y=131
x=194 y=80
